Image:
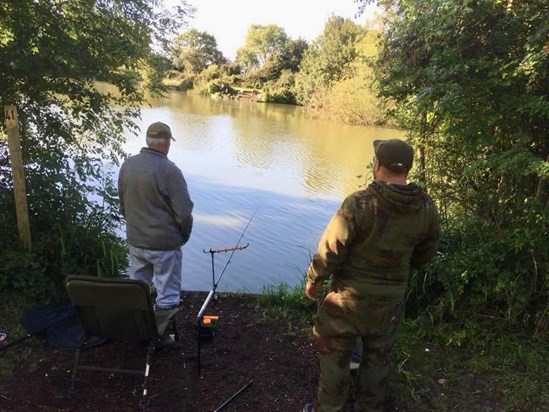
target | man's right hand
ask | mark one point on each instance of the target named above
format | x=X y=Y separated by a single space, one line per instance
x=311 y=290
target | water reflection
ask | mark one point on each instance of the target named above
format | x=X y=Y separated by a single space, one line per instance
x=241 y=158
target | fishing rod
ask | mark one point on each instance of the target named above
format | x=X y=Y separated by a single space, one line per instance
x=205 y=324
x=219 y=408
x=216 y=282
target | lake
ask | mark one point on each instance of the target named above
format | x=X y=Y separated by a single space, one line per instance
x=265 y=169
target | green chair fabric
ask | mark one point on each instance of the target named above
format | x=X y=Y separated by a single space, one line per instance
x=119 y=309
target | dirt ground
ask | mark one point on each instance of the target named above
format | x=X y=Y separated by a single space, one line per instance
x=269 y=363
x=274 y=364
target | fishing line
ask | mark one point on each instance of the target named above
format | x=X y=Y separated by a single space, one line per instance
x=216 y=282
x=236 y=247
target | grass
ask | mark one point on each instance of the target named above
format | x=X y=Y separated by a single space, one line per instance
x=285 y=302
x=489 y=368
x=471 y=365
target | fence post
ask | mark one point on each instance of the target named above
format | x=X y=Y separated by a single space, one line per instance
x=16 y=160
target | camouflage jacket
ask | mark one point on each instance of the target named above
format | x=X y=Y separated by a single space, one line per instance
x=375 y=238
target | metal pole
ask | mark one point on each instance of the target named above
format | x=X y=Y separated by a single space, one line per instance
x=234 y=396
x=213 y=269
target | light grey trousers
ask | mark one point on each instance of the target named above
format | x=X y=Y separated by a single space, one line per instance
x=161 y=268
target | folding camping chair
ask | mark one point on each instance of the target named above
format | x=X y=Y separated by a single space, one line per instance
x=119 y=309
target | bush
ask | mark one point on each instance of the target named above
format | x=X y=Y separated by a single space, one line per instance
x=25 y=273
x=70 y=235
x=498 y=272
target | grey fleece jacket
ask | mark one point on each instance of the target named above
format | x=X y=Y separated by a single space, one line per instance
x=155 y=201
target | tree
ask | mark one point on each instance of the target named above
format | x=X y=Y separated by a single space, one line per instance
x=262 y=43
x=328 y=57
x=471 y=81
x=52 y=53
x=269 y=60
x=354 y=98
x=336 y=79
x=194 y=51
x=292 y=54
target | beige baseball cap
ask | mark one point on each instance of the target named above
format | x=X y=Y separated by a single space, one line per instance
x=159 y=130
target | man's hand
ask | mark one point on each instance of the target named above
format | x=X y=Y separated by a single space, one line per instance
x=311 y=290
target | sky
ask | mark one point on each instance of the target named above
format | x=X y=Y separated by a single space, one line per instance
x=228 y=20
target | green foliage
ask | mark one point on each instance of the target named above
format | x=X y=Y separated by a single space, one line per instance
x=280 y=90
x=262 y=43
x=328 y=57
x=177 y=82
x=336 y=79
x=283 y=301
x=193 y=51
x=79 y=238
x=215 y=80
x=487 y=366
x=292 y=54
x=493 y=271
x=25 y=273
x=469 y=80
x=351 y=100
x=89 y=248
x=267 y=59
x=52 y=57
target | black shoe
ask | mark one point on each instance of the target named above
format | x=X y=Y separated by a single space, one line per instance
x=166 y=341
x=308 y=407
x=356 y=357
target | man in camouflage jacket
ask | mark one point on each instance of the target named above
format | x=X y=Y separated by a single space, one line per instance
x=368 y=249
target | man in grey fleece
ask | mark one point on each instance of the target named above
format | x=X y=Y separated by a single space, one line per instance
x=155 y=202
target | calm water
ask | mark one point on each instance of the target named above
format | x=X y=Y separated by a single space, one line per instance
x=242 y=158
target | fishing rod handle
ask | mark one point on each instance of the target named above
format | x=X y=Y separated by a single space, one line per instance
x=205 y=304
x=219 y=408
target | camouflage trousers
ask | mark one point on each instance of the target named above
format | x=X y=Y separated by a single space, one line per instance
x=341 y=319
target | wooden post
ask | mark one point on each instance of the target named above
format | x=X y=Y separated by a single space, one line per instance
x=16 y=160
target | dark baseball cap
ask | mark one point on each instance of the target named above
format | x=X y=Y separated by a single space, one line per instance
x=159 y=130
x=394 y=154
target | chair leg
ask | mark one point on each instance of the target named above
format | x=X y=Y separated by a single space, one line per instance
x=72 y=389
x=144 y=402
